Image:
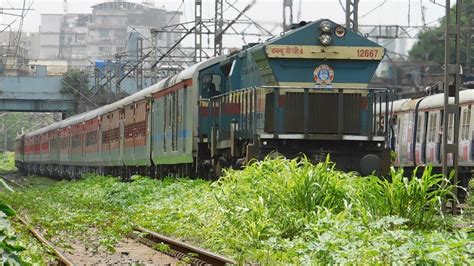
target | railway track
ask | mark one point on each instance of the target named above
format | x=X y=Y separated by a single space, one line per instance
x=10 y=181
x=180 y=250
x=61 y=259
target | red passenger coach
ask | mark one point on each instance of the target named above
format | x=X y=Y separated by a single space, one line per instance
x=114 y=137
x=105 y=129
x=53 y=146
x=64 y=142
x=77 y=138
x=128 y=133
x=91 y=143
x=140 y=133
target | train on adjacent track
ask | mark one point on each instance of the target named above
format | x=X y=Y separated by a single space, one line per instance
x=304 y=92
x=416 y=130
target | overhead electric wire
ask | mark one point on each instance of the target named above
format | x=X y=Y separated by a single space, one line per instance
x=422 y=10
x=342 y=6
x=372 y=10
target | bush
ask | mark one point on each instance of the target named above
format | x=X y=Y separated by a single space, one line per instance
x=272 y=212
x=416 y=199
x=7 y=162
x=9 y=247
x=470 y=199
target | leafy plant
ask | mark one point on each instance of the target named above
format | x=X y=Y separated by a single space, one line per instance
x=416 y=199
x=470 y=199
x=7 y=162
x=275 y=211
x=9 y=247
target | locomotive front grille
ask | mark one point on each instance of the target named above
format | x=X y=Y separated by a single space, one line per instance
x=322 y=117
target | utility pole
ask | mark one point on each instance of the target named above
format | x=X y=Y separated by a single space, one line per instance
x=451 y=110
x=218 y=27
x=140 y=59
x=287 y=17
x=469 y=42
x=4 y=139
x=198 y=31
x=154 y=39
x=118 y=70
x=352 y=15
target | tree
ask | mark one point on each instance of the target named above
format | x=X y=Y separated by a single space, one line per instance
x=75 y=81
x=430 y=44
x=19 y=123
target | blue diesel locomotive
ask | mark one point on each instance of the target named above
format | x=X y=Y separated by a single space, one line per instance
x=302 y=93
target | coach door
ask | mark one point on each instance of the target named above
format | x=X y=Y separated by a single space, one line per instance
x=431 y=148
x=423 y=142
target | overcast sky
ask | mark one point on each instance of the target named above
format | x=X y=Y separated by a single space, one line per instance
x=391 y=12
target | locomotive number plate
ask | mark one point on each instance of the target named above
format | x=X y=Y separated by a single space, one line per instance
x=367 y=53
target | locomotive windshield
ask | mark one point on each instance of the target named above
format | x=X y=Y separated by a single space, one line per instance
x=210 y=85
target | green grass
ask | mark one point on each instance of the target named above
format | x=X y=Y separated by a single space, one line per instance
x=16 y=246
x=470 y=200
x=273 y=212
x=7 y=162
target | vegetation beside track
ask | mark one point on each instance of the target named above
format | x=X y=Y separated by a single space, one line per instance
x=470 y=200
x=7 y=162
x=16 y=245
x=273 y=211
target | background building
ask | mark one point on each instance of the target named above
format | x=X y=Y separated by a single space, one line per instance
x=80 y=39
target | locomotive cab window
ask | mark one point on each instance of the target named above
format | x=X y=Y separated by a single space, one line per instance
x=210 y=85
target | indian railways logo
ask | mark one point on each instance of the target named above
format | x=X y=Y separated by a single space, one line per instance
x=323 y=75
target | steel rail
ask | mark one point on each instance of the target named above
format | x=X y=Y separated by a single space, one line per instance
x=189 y=250
x=10 y=182
x=61 y=259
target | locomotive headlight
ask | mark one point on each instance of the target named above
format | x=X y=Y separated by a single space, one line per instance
x=340 y=31
x=325 y=26
x=325 y=39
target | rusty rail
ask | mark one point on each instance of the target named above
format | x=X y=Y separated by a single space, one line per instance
x=61 y=259
x=10 y=182
x=182 y=250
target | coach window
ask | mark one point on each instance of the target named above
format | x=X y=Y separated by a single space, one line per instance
x=450 y=128
x=432 y=127
x=466 y=117
x=399 y=126
x=210 y=85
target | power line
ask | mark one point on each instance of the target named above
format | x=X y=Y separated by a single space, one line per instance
x=373 y=9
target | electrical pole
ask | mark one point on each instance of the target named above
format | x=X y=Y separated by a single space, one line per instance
x=452 y=82
x=469 y=45
x=140 y=59
x=287 y=18
x=352 y=15
x=118 y=70
x=154 y=39
x=198 y=31
x=218 y=27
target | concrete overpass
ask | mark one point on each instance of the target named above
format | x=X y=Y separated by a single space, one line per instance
x=43 y=94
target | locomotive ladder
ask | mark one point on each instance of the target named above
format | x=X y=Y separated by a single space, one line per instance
x=451 y=76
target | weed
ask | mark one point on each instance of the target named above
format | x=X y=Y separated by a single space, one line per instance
x=273 y=212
